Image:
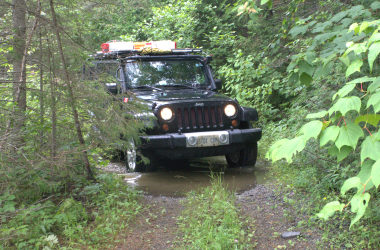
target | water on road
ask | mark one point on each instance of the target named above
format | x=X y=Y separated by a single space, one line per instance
x=197 y=174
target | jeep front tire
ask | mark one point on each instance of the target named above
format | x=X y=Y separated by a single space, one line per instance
x=243 y=158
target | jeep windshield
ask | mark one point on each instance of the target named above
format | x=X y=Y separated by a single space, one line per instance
x=149 y=74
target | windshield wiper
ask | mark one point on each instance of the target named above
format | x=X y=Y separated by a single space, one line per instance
x=147 y=87
x=179 y=85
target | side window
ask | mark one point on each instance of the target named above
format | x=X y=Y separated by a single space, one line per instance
x=106 y=71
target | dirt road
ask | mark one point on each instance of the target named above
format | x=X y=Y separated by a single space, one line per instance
x=156 y=227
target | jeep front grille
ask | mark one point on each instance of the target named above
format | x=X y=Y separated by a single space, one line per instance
x=199 y=117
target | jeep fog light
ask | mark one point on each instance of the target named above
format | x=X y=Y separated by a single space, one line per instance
x=230 y=110
x=223 y=138
x=166 y=114
x=192 y=140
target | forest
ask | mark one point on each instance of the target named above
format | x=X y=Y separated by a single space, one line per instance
x=311 y=69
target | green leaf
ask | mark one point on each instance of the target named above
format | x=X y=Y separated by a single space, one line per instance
x=374 y=51
x=374 y=38
x=272 y=150
x=345 y=104
x=333 y=150
x=306 y=67
x=354 y=67
x=363 y=26
x=311 y=129
x=349 y=135
x=359 y=204
x=362 y=79
x=375 y=5
x=365 y=175
x=372 y=119
x=339 y=16
x=375 y=173
x=295 y=31
x=329 y=134
x=305 y=79
x=374 y=100
x=375 y=85
x=319 y=114
x=354 y=27
x=329 y=209
x=344 y=90
x=353 y=182
x=288 y=149
x=343 y=153
x=264 y=1
x=370 y=149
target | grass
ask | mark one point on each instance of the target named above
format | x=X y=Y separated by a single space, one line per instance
x=210 y=220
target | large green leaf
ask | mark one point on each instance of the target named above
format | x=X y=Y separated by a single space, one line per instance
x=288 y=149
x=349 y=135
x=329 y=134
x=306 y=67
x=362 y=79
x=354 y=67
x=343 y=153
x=311 y=129
x=374 y=38
x=329 y=209
x=295 y=31
x=374 y=100
x=365 y=175
x=375 y=174
x=370 y=149
x=305 y=79
x=372 y=119
x=272 y=150
x=374 y=51
x=353 y=182
x=359 y=204
x=344 y=90
x=264 y=1
x=374 y=86
x=345 y=104
x=319 y=114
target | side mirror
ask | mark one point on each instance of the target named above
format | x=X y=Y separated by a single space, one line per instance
x=218 y=83
x=208 y=59
x=112 y=88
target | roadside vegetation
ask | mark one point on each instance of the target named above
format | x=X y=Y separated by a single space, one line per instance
x=211 y=220
x=310 y=67
x=91 y=215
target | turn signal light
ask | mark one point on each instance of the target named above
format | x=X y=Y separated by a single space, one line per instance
x=234 y=123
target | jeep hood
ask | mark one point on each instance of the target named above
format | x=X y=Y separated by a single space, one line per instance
x=180 y=95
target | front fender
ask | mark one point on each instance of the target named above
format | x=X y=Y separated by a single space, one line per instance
x=249 y=114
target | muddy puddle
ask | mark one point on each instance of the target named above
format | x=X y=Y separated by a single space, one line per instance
x=195 y=175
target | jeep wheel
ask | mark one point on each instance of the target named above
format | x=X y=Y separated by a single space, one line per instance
x=243 y=158
x=133 y=160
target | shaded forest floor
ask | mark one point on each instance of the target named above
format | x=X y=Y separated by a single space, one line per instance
x=156 y=226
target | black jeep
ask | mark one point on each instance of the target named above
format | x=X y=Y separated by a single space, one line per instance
x=192 y=118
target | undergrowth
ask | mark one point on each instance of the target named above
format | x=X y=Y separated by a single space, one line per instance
x=90 y=215
x=210 y=220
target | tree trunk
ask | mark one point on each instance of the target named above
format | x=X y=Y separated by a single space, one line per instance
x=42 y=100
x=19 y=72
x=53 y=142
x=72 y=98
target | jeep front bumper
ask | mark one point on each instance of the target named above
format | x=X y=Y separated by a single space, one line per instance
x=177 y=146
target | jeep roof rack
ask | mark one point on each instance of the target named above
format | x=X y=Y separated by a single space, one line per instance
x=120 y=49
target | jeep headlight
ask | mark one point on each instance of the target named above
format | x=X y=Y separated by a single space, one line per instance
x=230 y=110
x=166 y=114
